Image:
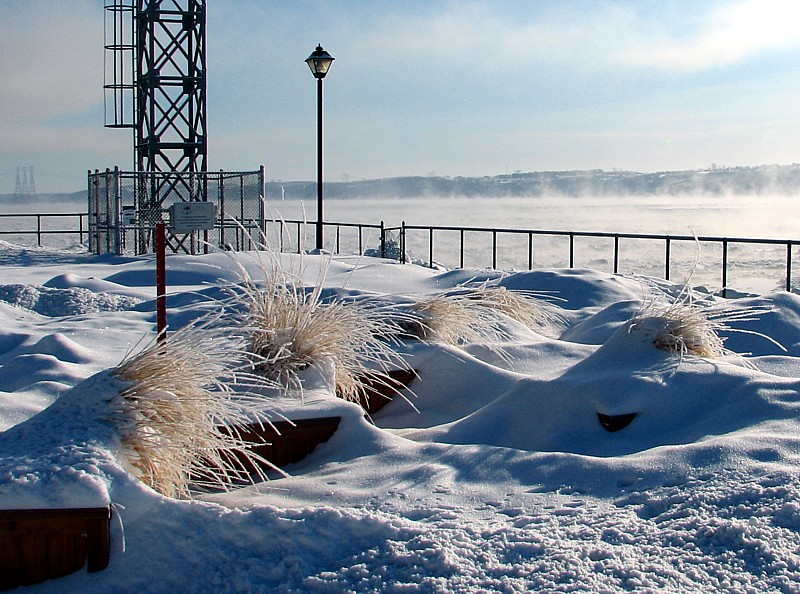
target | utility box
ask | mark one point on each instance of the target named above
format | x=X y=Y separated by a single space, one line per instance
x=185 y=217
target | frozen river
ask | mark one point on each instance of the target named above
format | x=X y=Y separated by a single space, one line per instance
x=759 y=267
x=751 y=267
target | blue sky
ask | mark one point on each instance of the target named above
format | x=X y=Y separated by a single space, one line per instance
x=419 y=87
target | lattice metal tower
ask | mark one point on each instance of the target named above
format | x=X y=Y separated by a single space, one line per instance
x=155 y=81
x=25 y=185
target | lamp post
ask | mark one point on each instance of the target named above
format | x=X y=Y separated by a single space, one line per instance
x=319 y=62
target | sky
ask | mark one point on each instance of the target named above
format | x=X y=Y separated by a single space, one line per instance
x=441 y=87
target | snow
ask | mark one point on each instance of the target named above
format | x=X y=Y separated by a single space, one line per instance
x=500 y=477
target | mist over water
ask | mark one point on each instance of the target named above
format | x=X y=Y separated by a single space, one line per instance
x=759 y=268
x=732 y=216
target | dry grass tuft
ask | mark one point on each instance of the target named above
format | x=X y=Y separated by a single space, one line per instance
x=470 y=314
x=291 y=329
x=687 y=329
x=689 y=326
x=178 y=392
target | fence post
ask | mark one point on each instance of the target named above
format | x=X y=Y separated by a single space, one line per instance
x=530 y=250
x=494 y=250
x=789 y=266
x=221 y=199
x=461 y=250
x=725 y=267
x=430 y=246
x=161 y=280
x=616 y=253
x=383 y=240
x=117 y=212
x=39 y=230
x=299 y=240
x=403 y=242
x=572 y=250
x=666 y=258
x=262 y=204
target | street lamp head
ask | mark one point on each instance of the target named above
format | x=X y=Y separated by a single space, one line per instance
x=319 y=61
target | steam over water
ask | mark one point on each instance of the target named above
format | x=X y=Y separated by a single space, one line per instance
x=751 y=267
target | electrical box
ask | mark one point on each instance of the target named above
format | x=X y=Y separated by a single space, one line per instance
x=185 y=217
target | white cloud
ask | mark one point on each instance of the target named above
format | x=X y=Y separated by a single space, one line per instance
x=730 y=34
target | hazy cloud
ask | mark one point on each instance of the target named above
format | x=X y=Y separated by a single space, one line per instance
x=730 y=33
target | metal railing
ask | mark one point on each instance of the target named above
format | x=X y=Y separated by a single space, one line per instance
x=42 y=229
x=293 y=235
x=668 y=241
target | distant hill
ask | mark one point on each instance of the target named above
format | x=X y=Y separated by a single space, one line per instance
x=764 y=179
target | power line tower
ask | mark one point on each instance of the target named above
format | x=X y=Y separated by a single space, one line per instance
x=25 y=185
x=155 y=81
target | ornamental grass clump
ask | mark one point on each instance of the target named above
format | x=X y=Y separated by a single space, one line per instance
x=178 y=412
x=687 y=329
x=687 y=326
x=292 y=329
x=471 y=314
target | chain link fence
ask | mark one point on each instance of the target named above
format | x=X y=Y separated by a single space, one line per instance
x=126 y=206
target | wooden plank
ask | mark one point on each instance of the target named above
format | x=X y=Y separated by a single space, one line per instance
x=380 y=388
x=9 y=562
x=33 y=559
x=39 y=544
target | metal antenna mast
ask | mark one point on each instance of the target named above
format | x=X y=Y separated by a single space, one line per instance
x=156 y=81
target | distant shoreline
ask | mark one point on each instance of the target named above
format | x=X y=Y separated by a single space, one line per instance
x=755 y=180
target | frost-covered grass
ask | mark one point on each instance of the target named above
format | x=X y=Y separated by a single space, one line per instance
x=473 y=313
x=687 y=325
x=291 y=329
x=178 y=394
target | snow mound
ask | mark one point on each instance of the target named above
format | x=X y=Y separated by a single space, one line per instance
x=58 y=302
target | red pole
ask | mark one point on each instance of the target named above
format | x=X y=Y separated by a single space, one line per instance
x=161 y=280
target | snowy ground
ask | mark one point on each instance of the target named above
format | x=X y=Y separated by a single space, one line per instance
x=502 y=479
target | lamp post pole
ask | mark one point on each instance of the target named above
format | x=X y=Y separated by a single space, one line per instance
x=319 y=62
x=319 y=165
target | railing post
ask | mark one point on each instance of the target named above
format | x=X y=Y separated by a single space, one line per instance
x=494 y=250
x=789 y=266
x=430 y=246
x=161 y=280
x=572 y=250
x=616 y=253
x=299 y=240
x=39 y=230
x=403 y=242
x=461 y=250
x=117 y=212
x=221 y=199
x=530 y=250
x=383 y=240
x=666 y=258
x=725 y=267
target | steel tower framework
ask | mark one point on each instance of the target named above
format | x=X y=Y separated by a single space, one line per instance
x=156 y=81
